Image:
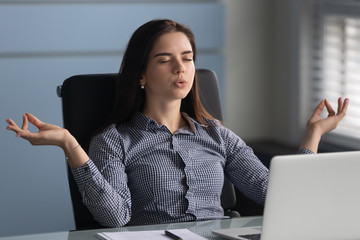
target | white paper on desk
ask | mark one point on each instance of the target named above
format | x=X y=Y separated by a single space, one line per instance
x=185 y=234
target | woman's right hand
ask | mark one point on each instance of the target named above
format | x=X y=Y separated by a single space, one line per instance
x=49 y=134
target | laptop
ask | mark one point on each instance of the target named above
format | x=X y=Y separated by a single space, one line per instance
x=309 y=196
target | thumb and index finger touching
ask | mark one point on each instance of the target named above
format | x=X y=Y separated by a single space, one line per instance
x=33 y=120
x=27 y=117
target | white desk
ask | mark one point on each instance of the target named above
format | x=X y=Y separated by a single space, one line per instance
x=202 y=228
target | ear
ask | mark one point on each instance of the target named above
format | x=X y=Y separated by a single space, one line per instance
x=142 y=80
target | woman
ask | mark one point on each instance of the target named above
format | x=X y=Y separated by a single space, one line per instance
x=157 y=162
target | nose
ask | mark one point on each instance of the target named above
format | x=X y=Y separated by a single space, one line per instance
x=179 y=67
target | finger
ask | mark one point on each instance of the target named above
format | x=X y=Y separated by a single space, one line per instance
x=29 y=136
x=37 y=123
x=11 y=122
x=329 y=108
x=319 y=108
x=25 y=123
x=340 y=104
x=19 y=131
x=344 y=108
x=12 y=125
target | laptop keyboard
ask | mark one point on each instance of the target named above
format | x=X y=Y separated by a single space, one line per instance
x=251 y=236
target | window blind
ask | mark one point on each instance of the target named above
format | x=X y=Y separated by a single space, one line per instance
x=336 y=60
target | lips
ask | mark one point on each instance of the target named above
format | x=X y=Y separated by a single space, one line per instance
x=180 y=83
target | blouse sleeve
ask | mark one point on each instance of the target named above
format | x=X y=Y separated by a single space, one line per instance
x=243 y=168
x=102 y=181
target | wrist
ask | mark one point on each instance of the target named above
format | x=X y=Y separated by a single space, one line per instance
x=75 y=155
x=311 y=139
x=69 y=142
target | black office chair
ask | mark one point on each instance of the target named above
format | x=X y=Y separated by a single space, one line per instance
x=87 y=102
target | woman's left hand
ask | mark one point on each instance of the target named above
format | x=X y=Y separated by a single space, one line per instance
x=317 y=126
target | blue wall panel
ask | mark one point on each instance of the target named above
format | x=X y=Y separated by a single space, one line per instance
x=41 y=45
x=96 y=27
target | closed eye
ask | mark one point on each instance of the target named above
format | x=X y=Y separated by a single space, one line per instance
x=187 y=55
x=164 y=61
x=188 y=59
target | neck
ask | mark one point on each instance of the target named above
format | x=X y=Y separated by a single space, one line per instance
x=166 y=114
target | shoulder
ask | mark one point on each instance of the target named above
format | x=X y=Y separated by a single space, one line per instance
x=108 y=134
x=106 y=147
x=217 y=126
x=107 y=141
x=230 y=138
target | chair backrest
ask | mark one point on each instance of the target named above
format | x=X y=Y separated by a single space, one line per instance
x=87 y=102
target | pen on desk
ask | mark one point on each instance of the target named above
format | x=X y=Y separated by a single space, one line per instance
x=173 y=236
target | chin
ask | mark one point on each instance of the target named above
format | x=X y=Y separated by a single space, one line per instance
x=180 y=94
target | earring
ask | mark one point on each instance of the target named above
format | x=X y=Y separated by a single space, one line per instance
x=141 y=83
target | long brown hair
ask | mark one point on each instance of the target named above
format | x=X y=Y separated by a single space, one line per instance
x=130 y=97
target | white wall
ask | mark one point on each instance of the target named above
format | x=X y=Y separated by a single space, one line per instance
x=285 y=59
x=248 y=69
x=262 y=70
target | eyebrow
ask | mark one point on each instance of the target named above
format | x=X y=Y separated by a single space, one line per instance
x=169 y=54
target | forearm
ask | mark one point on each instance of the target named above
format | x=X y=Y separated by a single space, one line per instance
x=108 y=209
x=110 y=206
